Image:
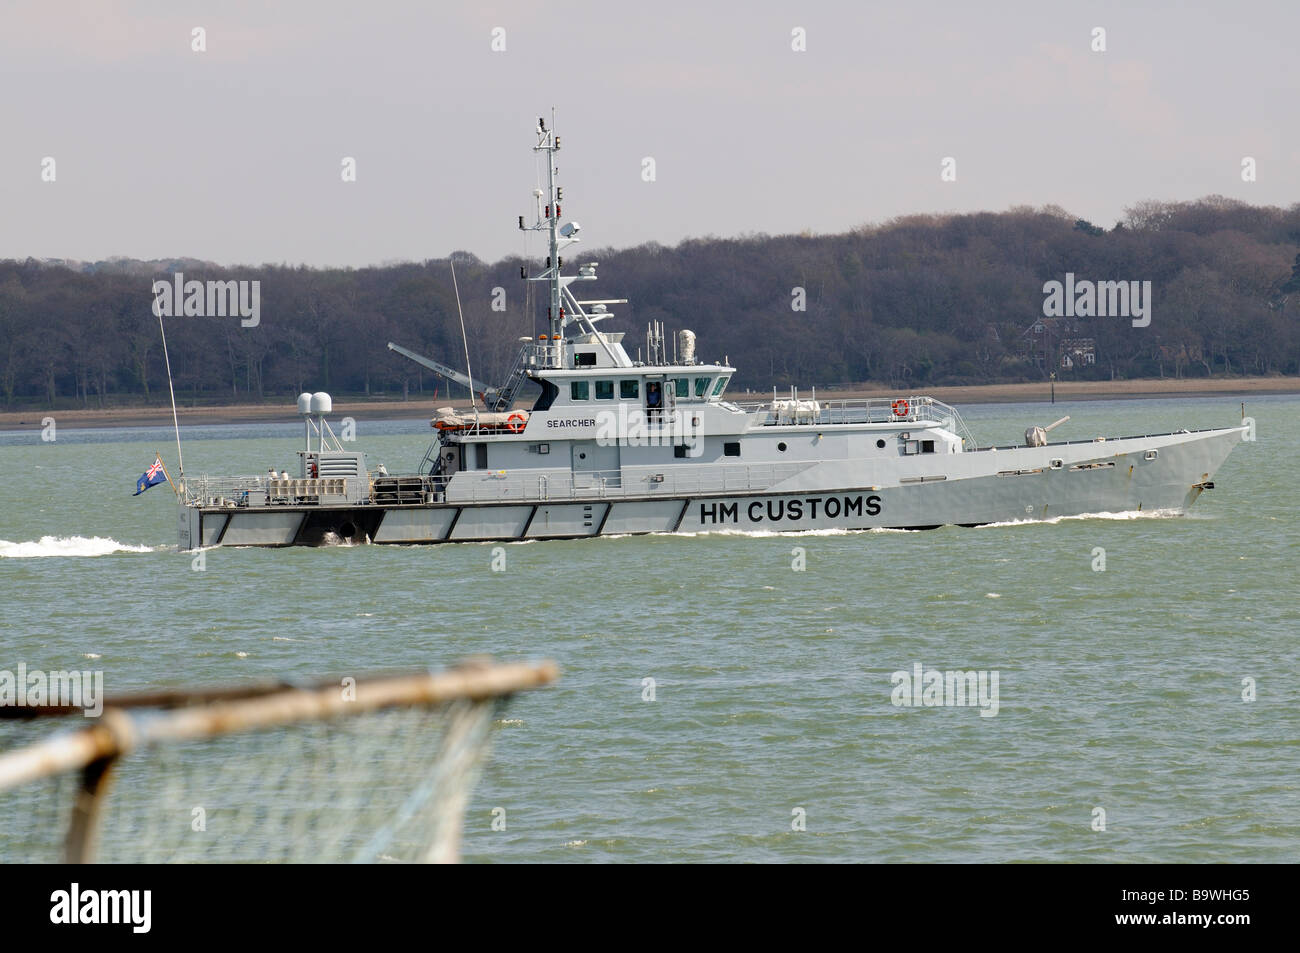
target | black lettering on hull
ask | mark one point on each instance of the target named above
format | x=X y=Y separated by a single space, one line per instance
x=792 y=511
x=719 y=512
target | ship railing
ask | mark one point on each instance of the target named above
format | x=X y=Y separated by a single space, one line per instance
x=862 y=410
x=223 y=491
x=476 y=486
x=1102 y=441
x=392 y=489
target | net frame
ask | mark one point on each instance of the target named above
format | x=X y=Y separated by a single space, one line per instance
x=466 y=696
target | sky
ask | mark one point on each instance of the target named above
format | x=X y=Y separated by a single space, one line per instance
x=234 y=154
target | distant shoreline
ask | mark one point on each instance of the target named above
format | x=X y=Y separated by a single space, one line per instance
x=420 y=409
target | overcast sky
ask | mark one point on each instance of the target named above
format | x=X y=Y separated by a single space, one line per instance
x=234 y=154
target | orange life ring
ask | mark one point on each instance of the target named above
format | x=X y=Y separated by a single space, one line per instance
x=900 y=408
x=516 y=422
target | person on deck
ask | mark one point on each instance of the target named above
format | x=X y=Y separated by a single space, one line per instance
x=653 y=400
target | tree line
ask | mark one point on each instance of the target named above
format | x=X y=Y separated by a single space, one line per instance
x=915 y=301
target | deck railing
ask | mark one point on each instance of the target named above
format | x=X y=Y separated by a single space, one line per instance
x=222 y=491
x=864 y=410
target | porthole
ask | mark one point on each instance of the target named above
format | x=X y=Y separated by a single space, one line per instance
x=781 y=446
x=880 y=445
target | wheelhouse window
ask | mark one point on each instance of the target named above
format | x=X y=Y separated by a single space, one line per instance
x=702 y=386
x=604 y=390
x=579 y=390
x=629 y=390
x=584 y=359
x=719 y=386
x=731 y=449
x=682 y=386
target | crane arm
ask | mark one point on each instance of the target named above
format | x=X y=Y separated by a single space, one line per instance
x=441 y=369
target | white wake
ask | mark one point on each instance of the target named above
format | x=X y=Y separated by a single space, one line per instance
x=67 y=546
x=1122 y=515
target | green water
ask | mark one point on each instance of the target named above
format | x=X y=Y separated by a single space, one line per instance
x=1119 y=689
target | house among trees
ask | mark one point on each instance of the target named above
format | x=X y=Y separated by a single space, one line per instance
x=1078 y=352
x=1049 y=343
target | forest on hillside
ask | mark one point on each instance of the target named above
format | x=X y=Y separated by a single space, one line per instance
x=913 y=302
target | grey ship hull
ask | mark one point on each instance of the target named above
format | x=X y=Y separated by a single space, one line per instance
x=1165 y=473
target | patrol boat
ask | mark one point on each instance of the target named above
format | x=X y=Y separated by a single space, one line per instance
x=652 y=444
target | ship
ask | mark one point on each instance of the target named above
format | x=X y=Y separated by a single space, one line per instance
x=613 y=444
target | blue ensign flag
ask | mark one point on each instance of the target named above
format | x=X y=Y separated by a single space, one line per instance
x=151 y=477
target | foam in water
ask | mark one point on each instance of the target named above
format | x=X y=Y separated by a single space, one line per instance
x=770 y=533
x=67 y=546
x=1122 y=515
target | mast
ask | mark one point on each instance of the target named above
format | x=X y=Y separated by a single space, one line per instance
x=552 y=230
x=563 y=308
x=549 y=219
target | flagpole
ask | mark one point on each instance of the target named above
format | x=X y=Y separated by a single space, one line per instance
x=158 y=456
x=180 y=460
x=469 y=371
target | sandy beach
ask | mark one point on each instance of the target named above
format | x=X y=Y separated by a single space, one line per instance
x=284 y=411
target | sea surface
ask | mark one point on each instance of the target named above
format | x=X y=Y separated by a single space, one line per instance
x=1123 y=691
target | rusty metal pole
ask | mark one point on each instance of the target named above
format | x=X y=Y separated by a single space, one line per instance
x=83 y=828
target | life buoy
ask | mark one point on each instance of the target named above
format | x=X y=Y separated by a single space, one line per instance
x=516 y=422
x=900 y=408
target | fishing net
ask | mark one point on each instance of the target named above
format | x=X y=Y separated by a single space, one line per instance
x=379 y=771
